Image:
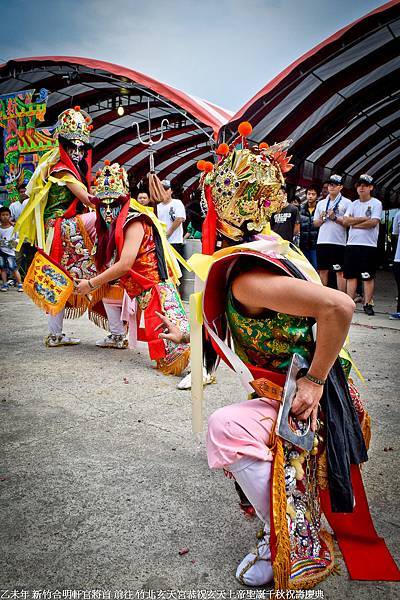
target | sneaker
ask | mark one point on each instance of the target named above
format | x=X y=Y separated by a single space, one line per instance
x=369 y=310
x=20 y=288
x=256 y=569
x=4 y=288
x=186 y=382
x=52 y=341
x=395 y=315
x=113 y=341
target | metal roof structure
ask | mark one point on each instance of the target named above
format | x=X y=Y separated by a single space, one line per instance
x=100 y=88
x=340 y=104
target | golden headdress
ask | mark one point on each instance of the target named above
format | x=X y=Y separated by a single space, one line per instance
x=111 y=182
x=244 y=185
x=74 y=124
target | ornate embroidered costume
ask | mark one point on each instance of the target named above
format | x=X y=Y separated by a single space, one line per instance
x=150 y=280
x=288 y=487
x=54 y=218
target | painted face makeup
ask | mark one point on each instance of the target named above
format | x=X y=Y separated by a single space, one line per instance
x=76 y=151
x=109 y=212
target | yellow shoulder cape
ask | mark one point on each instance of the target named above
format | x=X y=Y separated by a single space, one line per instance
x=30 y=225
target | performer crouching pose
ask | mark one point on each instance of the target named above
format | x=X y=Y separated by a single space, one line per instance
x=130 y=252
x=269 y=297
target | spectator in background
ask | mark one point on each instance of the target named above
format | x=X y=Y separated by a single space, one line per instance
x=172 y=212
x=331 y=241
x=363 y=217
x=8 y=242
x=308 y=231
x=286 y=222
x=18 y=206
x=396 y=263
x=25 y=254
x=296 y=202
x=143 y=198
x=195 y=219
x=324 y=191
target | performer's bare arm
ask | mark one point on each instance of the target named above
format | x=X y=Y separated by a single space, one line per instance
x=133 y=239
x=78 y=191
x=332 y=310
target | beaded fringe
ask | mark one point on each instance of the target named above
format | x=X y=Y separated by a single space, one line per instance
x=177 y=366
x=98 y=320
x=281 y=562
x=366 y=429
x=41 y=302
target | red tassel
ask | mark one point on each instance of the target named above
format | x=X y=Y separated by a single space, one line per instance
x=209 y=231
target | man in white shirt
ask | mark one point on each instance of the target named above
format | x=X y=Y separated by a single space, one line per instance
x=363 y=218
x=331 y=240
x=172 y=212
x=18 y=206
x=396 y=263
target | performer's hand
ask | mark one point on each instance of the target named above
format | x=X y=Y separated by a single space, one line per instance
x=170 y=331
x=82 y=287
x=306 y=401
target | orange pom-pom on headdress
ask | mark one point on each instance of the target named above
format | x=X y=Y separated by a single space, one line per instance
x=263 y=146
x=245 y=128
x=201 y=165
x=208 y=166
x=77 y=108
x=107 y=162
x=222 y=149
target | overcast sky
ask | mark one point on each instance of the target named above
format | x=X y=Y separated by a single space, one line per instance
x=221 y=50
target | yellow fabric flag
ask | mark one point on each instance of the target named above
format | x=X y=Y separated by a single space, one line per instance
x=48 y=285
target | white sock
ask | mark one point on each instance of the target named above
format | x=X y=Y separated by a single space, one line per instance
x=114 y=311
x=253 y=476
x=56 y=323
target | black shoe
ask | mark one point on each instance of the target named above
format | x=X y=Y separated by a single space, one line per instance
x=369 y=310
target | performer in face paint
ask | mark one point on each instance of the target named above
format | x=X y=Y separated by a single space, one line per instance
x=58 y=193
x=132 y=252
x=268 y=296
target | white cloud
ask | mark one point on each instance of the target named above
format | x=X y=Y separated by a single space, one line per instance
x=223 y=50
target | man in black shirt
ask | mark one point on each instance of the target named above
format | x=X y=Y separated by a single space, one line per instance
x=308 y=232
x=286 y=222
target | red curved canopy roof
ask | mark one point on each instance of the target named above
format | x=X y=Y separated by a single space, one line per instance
x=340 y=105
x=100 y=87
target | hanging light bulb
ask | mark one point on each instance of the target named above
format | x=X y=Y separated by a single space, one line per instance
x=120 y=111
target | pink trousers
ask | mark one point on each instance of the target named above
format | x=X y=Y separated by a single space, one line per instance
x=241 y=430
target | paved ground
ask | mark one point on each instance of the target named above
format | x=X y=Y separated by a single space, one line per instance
x=102 y=482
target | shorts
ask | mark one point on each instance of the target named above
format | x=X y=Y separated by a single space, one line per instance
x=7 y=262
x=360 y=261
x=330 y=257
